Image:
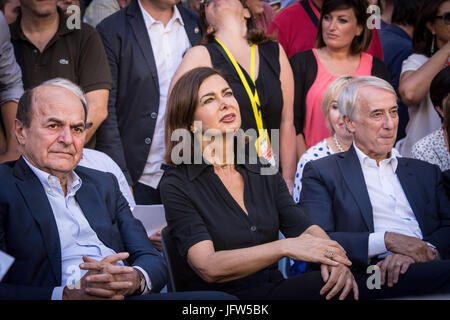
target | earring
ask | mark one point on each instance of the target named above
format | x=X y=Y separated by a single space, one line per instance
x=432 y=44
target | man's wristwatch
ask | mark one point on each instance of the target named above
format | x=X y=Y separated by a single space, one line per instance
x=142 y=283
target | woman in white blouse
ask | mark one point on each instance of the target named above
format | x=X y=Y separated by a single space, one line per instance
x=340 y=139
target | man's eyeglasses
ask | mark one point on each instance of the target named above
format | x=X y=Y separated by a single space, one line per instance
x=445 y=17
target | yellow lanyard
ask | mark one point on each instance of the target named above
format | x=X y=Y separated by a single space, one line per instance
x=254 y=98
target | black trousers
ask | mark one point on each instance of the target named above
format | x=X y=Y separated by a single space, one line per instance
x=187 y=295
x=421 y=279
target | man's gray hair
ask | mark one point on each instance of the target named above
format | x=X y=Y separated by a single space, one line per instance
x=24 y=108
x=69 y=85
x=348 y=101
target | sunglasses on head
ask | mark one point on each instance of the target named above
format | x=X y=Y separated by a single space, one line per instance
x=445 y=17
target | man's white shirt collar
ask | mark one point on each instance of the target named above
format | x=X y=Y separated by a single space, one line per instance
x=364 y=159
x=49 y=182
x=149 y=20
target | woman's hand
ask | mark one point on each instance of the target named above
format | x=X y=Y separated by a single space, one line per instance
x=317 y=250
x=338 y=279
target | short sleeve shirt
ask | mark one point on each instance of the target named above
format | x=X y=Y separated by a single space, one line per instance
x=199 y=207
x=423 y=119
x=433 y=149
x=74 y=54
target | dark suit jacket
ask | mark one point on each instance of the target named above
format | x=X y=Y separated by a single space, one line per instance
x=334 y=195
x=28 y=230
x=446 y=175
x=133 y=105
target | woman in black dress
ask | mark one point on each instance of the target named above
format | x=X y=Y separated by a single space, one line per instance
x=224 y=215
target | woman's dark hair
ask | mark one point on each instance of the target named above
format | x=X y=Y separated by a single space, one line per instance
x=406 y=11
x=254 y=34
x=423 y=38
x=181 y=106
x=360 y=43
x=440 y=87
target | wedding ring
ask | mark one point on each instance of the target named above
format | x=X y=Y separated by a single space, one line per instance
x=329 y=254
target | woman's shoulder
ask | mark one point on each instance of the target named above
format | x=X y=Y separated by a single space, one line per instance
x=317 y=151
x=306 y=55
x=198 y=51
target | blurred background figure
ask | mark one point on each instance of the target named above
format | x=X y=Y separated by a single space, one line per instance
x=431 y=52
x=11 y=9
x=229 y=26
x=386 y=9
x=342 y=40
x=434 y=147
x=262 y=12
x=11 y=89
x=64 y=4
x=276 y=5
x=296 y=27
x=100 y=9
x=396 y=39
x=193 y=5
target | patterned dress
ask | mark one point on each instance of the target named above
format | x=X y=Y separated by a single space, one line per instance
x=432 y=149
x=319 y=150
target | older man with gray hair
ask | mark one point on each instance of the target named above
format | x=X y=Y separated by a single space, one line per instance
x=69 y=227
x=382 y=208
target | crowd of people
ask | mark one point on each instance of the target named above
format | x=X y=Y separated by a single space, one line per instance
x=324 y=120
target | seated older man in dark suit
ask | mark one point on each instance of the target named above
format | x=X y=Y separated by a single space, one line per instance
x=383 y=209
x=69 y=228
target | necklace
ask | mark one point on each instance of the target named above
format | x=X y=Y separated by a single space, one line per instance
x=338 y=145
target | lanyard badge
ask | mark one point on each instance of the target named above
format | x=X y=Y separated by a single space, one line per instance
x=262 y=143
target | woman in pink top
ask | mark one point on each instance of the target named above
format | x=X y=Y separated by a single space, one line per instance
x=342 y=38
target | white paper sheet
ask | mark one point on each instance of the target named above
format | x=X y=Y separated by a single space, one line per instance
x=151 y=216
x=5 y=263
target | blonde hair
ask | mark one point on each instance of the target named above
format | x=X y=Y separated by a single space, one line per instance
x=332 y=95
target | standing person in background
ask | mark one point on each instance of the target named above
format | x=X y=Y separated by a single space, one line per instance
x=433 y=148
x=396 y=39
x=145 y=43
x=46 y=47
x=431 y=52
x=100 y=9
x=11 y=9
x=229 y=26
x=193 y=5
x=11 y=89
x=296 y=27
x=262 y=12
x=64 y=4
x=342 y=39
